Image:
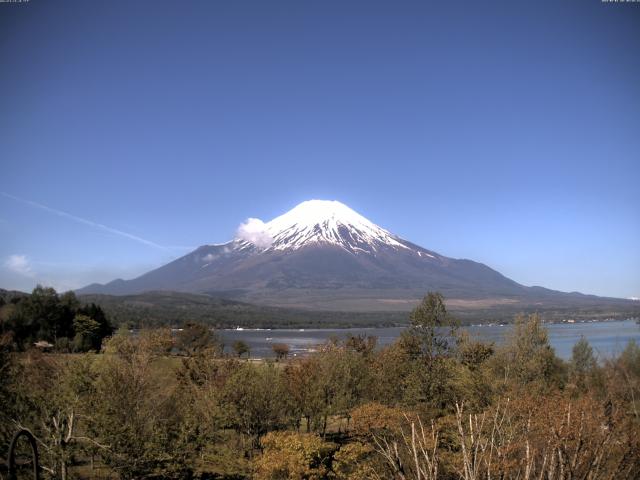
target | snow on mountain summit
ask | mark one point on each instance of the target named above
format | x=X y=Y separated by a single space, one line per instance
x=328 y=222
x=323 y=255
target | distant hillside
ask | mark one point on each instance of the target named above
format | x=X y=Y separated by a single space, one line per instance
x=176 y=308
x=7 y=295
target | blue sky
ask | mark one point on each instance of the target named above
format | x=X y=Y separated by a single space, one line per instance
x=504 y=132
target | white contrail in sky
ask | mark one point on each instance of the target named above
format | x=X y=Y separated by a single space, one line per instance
x=84 y=221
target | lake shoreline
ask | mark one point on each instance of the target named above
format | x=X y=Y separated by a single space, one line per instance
x=406 y=325
x=606 y=336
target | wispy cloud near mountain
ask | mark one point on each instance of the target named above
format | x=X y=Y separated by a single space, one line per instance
x=254 y=231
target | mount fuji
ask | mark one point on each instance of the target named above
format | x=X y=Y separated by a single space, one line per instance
x=324 y=255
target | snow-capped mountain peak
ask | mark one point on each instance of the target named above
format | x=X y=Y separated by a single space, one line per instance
x=323 y=255
x=328 y=222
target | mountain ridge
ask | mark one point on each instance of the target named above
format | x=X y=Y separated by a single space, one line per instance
x=323 y=255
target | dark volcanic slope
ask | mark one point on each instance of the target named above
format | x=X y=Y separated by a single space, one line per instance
x=325 y=256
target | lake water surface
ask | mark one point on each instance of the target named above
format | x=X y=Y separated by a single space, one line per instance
x=606 y=338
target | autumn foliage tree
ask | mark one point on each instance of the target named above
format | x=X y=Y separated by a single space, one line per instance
x=281 y=350
x=293 y=456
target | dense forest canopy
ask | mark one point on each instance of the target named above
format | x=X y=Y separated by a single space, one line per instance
x=58 y=320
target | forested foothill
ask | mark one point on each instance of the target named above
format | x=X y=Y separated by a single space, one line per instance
x=166 y=309
x=54 y=321
x=436 y=404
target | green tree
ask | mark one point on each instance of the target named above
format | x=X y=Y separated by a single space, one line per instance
x=304 y=388
x=345 y=381
x=206 y=417
x=87 y=335
x=256 y=400
x=583 y=364
x=623 y=378
x=45 y=315
x=432 y=329
x=529 y=357
x=54 y=403
x=240 y=348
x=137 y=413
x=197 y=337
x=53 y=318
x=41 y=316
x=430 y=344
x=630 y=358
x=392 y=375
x=8 y=379
x=473 y=353
x=328 y=385
x=105 y=328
